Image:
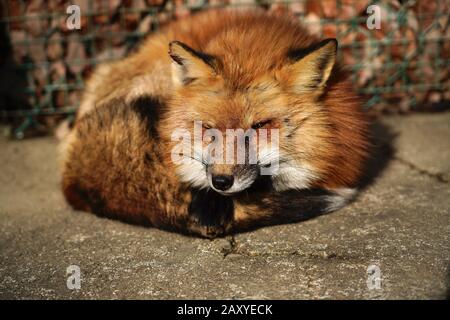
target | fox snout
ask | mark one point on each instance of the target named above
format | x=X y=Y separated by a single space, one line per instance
x=222 y=182
x=230 y=179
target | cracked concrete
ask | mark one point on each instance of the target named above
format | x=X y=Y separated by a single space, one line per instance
x=427 y=134
x=400 y=223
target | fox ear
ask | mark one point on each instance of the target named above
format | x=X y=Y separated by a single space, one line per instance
x=188 y=64
x=312 y=66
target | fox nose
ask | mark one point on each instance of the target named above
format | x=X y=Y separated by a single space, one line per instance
x=222 y=182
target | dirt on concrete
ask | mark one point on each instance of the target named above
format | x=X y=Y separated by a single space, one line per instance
x=392 y=242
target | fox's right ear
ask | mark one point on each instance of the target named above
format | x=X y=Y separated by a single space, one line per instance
x=311 y=68
x=189 y=64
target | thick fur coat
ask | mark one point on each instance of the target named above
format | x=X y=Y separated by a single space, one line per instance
x=228 y=70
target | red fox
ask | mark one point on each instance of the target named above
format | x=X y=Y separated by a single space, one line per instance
x=225 y=70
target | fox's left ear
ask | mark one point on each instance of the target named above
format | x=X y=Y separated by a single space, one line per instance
x=189 y=64
x=311 y=67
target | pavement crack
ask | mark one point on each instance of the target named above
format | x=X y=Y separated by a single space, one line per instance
x=439 y=177
x=232 y=247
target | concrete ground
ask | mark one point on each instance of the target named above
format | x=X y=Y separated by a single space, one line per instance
x=399 y=227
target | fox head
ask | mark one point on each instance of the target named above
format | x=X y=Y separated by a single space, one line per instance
x=276 y=98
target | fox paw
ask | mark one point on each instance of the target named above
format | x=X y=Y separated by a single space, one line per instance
x=195 y=226
x=210 y=214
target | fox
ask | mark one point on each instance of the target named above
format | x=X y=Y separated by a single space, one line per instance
x=223 y=69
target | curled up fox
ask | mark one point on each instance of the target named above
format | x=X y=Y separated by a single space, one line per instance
x=220 y=122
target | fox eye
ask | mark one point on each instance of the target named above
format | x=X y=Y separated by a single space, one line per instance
x=207 y=126
x=260 y=124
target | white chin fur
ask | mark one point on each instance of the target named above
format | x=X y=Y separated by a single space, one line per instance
x=193 y=172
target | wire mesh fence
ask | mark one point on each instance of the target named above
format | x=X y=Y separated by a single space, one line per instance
x=401 y=65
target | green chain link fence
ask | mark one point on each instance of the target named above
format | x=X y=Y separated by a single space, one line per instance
x=402 y=66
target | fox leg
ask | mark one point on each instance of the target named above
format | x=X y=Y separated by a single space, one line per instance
x=209 y=214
